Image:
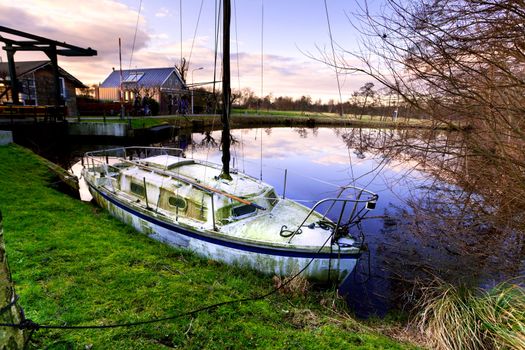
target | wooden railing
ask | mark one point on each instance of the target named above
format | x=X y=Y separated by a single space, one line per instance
x=35 y=113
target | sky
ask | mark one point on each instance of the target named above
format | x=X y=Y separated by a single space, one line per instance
x=285 y=35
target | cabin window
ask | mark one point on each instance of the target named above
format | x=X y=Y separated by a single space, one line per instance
x=138 y=189
x=272 y=197
x=177 y=202
x=243 y=210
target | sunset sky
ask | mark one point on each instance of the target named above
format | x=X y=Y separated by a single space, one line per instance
x=292 y=30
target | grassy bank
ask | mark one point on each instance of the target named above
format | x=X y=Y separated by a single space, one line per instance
x=252 y=118
x=75 y=265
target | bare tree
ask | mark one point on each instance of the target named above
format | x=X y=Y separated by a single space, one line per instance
x=461 y=62
x=365 y=93
x=182 y=69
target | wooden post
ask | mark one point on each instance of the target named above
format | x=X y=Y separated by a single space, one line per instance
x=10 y=338
x=52 y=54
x=10 y=51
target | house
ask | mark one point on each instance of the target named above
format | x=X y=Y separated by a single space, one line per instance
x=162 y=84
x=37 y=87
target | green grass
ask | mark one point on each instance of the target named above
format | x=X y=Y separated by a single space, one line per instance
x=321 y=115
x=253 y=117
x=241 y=111
x=309 y=114
x=75 y=265
x=136 y=122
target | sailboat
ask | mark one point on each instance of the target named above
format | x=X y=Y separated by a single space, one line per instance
x=222 y=214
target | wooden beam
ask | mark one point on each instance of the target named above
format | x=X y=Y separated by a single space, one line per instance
x=52 y=54
x=43 y=41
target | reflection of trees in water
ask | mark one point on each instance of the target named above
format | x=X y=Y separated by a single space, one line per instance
x=470 y=72
x=302 y=132
x=461 y=224
x=208 y=140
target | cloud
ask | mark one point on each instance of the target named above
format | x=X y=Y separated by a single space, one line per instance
x=100 y=23
x=163 y=12
x=96 y=23
x=293 y=77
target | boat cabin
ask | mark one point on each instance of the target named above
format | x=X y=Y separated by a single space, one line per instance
x=192 y=190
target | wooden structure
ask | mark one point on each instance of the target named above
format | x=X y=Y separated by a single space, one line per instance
x=14 y=114
x=36 y=85
x=33 y=42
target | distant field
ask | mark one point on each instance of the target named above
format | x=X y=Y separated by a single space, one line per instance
x=254 y=118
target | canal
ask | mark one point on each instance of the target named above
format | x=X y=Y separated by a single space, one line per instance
x=422 y=227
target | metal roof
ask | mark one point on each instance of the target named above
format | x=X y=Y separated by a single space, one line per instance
x=150 y=77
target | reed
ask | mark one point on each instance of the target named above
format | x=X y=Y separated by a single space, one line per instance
x=460 y=317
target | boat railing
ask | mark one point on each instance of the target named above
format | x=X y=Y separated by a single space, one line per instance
x=135 y=152
x=107 y=157
x=357 y=206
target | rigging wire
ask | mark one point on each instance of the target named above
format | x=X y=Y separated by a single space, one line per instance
x=238 y=75
x=237 y=46
x=218 y=6
x=135 y=35
x=262 y=83
x=195 y=32
x=262 y=48
x=338 y=81
x=180 y=20
x=333 y=56
x=217 y=24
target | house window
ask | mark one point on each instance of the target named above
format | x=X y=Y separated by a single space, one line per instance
x=63 y=91
x=133 y=77
x=28 y=92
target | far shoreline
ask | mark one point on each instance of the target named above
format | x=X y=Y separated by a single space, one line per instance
x=240 y=120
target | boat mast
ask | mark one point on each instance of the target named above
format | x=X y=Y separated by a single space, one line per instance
x=226 y=91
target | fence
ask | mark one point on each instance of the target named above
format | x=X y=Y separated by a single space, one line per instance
x=33 y=113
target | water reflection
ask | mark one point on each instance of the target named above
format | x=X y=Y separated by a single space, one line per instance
x=419 y=226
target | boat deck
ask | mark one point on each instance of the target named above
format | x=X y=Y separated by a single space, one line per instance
x=241 y=185
x=265 y=228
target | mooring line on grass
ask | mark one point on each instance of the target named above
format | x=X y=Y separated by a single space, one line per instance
x=28 y=324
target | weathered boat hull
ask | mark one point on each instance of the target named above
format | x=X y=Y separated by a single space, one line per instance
x=322 y=267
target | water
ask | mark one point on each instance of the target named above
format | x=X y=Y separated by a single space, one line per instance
x=319 y=161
